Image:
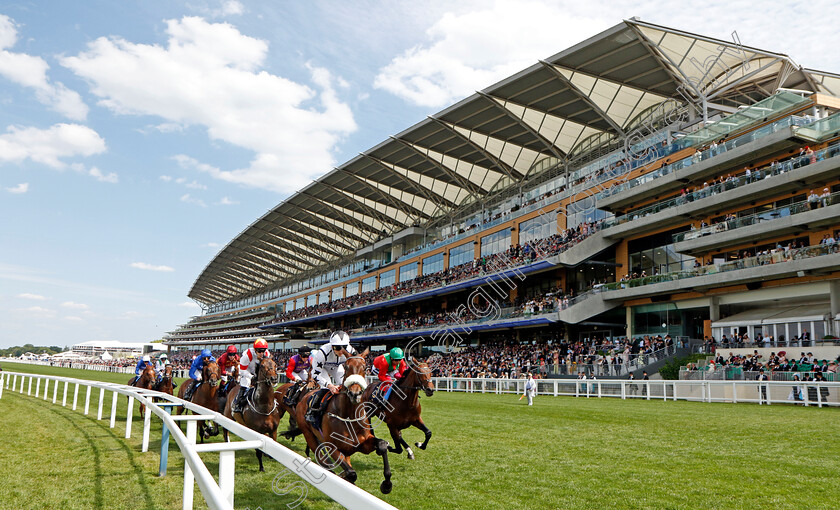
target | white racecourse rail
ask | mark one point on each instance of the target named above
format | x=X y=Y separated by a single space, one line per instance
x=217 y=496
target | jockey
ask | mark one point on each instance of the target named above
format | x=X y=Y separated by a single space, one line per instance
x=227 y=364
x=297 y=371
x=328 y=370
x=247 y=370
x=196 y=370
x=160 y=368
x=390 y=365
x=144 y=362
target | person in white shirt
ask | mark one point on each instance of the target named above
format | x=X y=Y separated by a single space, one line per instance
x=530 y=389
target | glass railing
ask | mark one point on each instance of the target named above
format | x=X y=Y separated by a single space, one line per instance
x=735 y=182
x=775 y=257
x=702 y=156
x=755 y=219
x=828 y=127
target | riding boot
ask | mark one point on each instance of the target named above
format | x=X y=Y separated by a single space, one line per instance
x=290 y=397
x=314 y=411
x=239 y=402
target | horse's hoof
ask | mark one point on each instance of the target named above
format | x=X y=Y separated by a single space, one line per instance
x=410 y=453
x=351 y=476
x=386 y=486
x=420 y=445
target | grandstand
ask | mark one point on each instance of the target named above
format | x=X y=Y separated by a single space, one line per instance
x=646 y=182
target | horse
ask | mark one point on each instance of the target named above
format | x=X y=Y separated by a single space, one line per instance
x=224 y=390
x=345 y=428
x=261 y=412
x=402 y=409
x=204 y=396
x=166 y=384
x=280 y=398
x=146 y=381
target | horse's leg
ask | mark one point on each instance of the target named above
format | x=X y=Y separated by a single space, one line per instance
x=422 y=426
x=382 y=449
x=398 y=443
x=259 y=458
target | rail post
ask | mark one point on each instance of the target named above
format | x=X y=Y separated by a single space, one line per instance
x=734 y=393
x=64 y=401
x=623 y=391
x=2 y=383
x=101 y=401
x=129 y=414
x=14 y=383
x=46 y=388
x=55 y=392
x=37 y=387
x=75 y=396
x=114 y=410
x=164 y=444
x=147 y=425
x=87 y=400
x=189 y=479
x=227 y=463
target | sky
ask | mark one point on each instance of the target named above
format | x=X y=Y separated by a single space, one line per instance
x=137 y=138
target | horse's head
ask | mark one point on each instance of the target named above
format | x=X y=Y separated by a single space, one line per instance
x=212 y=373
x=149 y=372
x=268 y=371
x=423 y=373
x=354 y=376
x=167 y=372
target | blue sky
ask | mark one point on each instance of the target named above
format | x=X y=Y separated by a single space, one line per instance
x=137 y=138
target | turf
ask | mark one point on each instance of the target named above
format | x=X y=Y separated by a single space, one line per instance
x=487 y=452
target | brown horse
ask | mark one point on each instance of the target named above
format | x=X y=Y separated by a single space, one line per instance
x=146 y=381
x=261 y=412
x=402 y=409
x=166 y=384
x=204 y=396
x=280 y=397
x=345 y=428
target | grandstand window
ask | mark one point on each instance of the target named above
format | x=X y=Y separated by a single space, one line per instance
x=352 y=289
x=300 y=303
x=433 y=264
x=495 y=243
x=290 y=305
x=582 y=212
x=338 y=293
x=311 y=300
x=544 y=225
x=387 y=278
x=369 y=284
x=408 y=272
x=324 y=296
x=461 y=254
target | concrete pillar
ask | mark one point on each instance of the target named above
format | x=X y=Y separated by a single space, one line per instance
x=714 y=309
x=629 y=320
x=834 y=293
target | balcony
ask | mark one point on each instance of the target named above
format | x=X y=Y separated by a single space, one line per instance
x=797 y=217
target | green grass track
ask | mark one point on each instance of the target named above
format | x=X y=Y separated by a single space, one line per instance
x=488 y=452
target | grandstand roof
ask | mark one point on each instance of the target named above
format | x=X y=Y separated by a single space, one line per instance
x=491 y=139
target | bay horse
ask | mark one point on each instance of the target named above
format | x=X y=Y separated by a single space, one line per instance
x=402 y=409
x=228 y=382
x=166 y=384
x=146 y=380
x=345 y=428
x=261 y=413
x=204 y=396
x=280 y=397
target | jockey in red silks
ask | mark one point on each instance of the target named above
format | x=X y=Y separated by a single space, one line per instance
x=227 y=363
x=390 y=366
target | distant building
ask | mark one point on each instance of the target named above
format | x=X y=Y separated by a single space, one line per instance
x=95 y=349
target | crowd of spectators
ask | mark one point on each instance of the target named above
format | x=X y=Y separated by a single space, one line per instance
x=775 y=362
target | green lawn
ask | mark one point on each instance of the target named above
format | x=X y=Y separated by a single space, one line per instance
x=488 y=451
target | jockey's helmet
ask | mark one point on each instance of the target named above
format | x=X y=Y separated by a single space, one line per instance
x=147 y=359
x=163 y=356
x=231 y=349
x=397 y=353
x=206 y=353
x=304 y=350
x=339 y=338
x=260 y=343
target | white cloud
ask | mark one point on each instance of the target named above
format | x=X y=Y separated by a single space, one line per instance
x=150 y=267
x=189 y=304
x=186 y=198
x=73 y=318
x=31 y=72
x=226 y=201
x=472 y=50
x=231 y=8
x=36 y=297
x=49 y=146
x=166 y=178
x=75 y=306
x=37 y=310
x=19 y=189
x=292 y=128
x=99 y=176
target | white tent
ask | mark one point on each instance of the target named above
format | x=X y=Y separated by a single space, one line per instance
x=107 y=357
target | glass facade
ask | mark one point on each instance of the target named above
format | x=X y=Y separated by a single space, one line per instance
x=300 y=303
x=544 y=225
x=352 y=289
x=324 y=296
x=495 y=243
x=369 y=284
x=312 y=300
x=433 y=264
x=461 y=254
x=408 y=272
x=387 y=278
x=659 y=260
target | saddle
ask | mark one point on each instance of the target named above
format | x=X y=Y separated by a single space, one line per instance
x=314 y=413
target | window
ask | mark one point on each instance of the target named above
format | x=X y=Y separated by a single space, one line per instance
x=300 y=303
x=311 y=300
x=461 y=255
x=495 y=243
x=352 y=289
x=408 y=272
x=337 y=293
x=369 y=284
x=541 y=227
x=387 y=278
x=324 y=296
x=290 y=305
x=433 y=264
